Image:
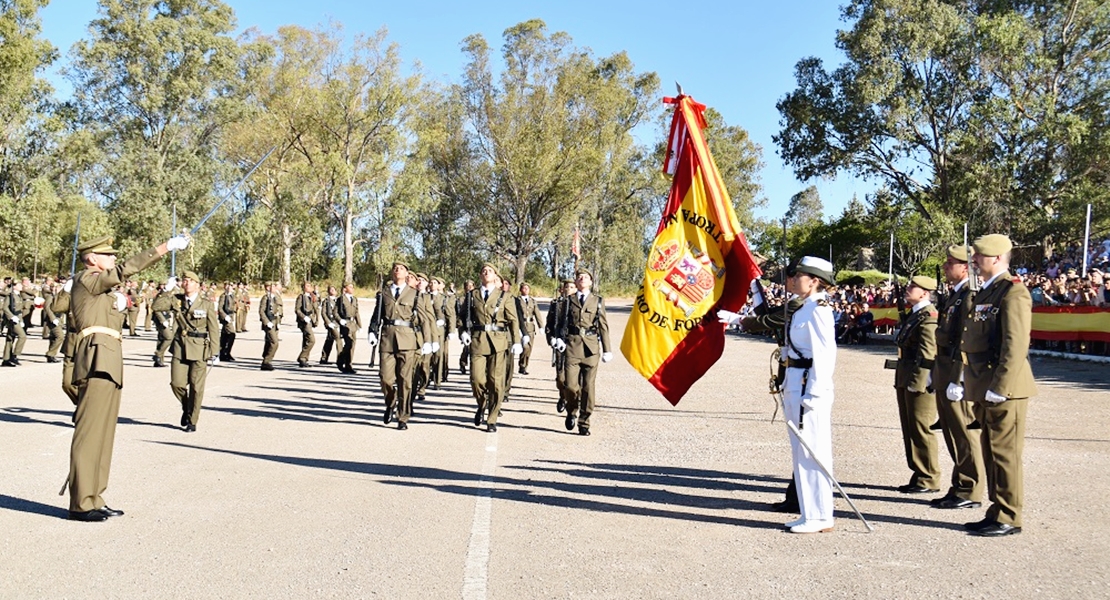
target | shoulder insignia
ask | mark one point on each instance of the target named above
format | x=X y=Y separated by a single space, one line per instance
x=934 y=314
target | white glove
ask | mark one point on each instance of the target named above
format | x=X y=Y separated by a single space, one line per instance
x=166 y=324
x=372 y=339
x=333 y=325
x=809 y=402
x=728 y=317
x=343 y=322
x=269 y=325
x=465 y=337
x=994 y=398
x=606 y=356
x=558 y=344
x=517 y=349
x=171 y=283
x=757 y=298
x=439 y=323
x=435 y=346
x=215 y=360
x=453 y=336
x=525 y=340
x=426 y=348
x=56 y=321
x=929 y=380
x=121 y=302
x=15 y=319
x=954 y=392
x=177 y=242
x=68 y=287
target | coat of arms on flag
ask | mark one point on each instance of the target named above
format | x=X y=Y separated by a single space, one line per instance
x=698 y=263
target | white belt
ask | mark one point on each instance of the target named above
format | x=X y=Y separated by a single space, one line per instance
x=98 y=329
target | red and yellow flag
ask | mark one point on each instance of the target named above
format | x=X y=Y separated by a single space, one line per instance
x=699 y=263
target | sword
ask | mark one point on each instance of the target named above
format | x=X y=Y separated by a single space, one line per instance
x=227 y=196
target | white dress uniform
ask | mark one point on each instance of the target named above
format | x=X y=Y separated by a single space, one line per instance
x=812 y=335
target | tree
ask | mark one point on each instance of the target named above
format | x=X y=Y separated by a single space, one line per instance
x=805 y=208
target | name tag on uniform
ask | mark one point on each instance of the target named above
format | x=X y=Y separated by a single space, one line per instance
x=200 y=313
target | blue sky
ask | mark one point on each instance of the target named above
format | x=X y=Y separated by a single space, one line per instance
x=737 y=56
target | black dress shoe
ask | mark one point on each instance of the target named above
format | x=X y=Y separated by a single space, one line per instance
x=478 y=416
x=302 y=363
x=583 y=431
x=569 y=422
x=7 y=363
x=997 y=530
x=948 y=496
x=111 y=512
x=387 y=416
x=402 y=426
x=958 y=503
x=190 y=428
x=267 y=367
x=52 y=359
x=785 y=507
x=977 y=525
x=915 y=489
x=325 y=361
x=230 y=358
x=184 y=419
x=89 y=516
x=561 y=405
x=491 y=428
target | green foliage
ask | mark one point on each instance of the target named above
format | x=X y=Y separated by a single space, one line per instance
x=867 y=277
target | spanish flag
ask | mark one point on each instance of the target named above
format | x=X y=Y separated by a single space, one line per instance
x=699 y=263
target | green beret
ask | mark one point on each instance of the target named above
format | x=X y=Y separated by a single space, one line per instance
x=101 y=245
x=994 y=244
x=925 y=283
x=190 y=275
x=492 y=268
x=958 y=252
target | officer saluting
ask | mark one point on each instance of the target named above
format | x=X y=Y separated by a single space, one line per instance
x=194 y=344
x=917 y=350
x=98 y=369
x=999 y=380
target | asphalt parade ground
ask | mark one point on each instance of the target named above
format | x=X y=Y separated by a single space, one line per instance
x=293 y=488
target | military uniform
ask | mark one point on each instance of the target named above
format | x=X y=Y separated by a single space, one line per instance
x=306 y=320
x=330 y=315
x=529 y=320
x=242 y=310
x=917 y=349
x=464 y=354
x=999 y=380
x=585 y=331
x=396 y=317
x=443 y=308
x=27 y=299
x=556 y=313
x=228 y=311
x=16 y=333
x=423 y=372
x=490 y=323
x=148 y=293
x=60 y=306
x=53 y=326
x=194 y=344
x=164 y=323
x=346 y=312
x=133 y=302
x=98 y=375
x=966 y=489
x=270 y=312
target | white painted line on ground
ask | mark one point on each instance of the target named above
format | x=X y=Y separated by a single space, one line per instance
x=476 y=575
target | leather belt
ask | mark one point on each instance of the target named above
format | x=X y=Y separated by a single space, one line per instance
x=799 y=363
x=398 y=323
x=95 y=329
x=197 y=334
x=489 y=328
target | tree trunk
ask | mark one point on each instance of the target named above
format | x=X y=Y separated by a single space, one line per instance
x=555 y=263
x=348 y=250
x=520 y=263
x=286 y=255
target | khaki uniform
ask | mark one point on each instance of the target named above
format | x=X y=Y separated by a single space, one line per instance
x=164 y=323
x=443 y=308
x=133 y=303
x=493 y=328
x=917 y=408
x=242 y=311
x=27 y=298
x=53 y=325
x=14 y=323
x=194 y=343
x=555 y=312
x=529 y=320
x=963 y=445
x=586 y=333
x=398 y=321
x=464 y=354
x=995 y=352
x=330 y=316
x=149 y=292
x=424 y=361
x=229 y=307
x=60 y=306
x=269 y=314
x=305 y=307
x=346 y=312
x=98 y=375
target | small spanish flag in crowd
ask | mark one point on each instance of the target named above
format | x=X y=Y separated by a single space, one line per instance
x=699 y=263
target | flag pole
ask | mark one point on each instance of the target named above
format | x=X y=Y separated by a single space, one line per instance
x=1086 y=241
x=173 y=253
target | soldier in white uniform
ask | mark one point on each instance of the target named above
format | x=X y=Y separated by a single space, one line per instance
x=808 y=392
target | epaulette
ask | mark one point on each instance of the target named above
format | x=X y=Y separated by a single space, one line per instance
x=934 y=314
